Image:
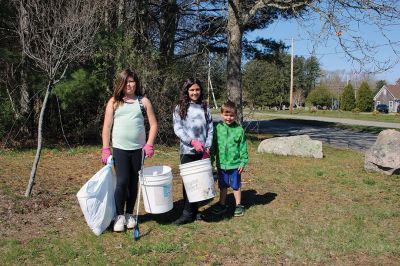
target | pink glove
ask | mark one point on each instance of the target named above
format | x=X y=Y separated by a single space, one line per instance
x=105 y=153
x=148 y=150
x=198 y=147
x=206 y=154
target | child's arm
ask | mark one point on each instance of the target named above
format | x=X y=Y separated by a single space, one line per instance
x=244 y=156
x=106 y=132
x=179 y=129
x=214 y=147
x=210 y=130
x=108 y=121
x=152 y=121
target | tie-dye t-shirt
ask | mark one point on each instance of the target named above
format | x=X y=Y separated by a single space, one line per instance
x=196 y=126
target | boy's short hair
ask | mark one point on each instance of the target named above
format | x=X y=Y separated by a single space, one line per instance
x=229 y=107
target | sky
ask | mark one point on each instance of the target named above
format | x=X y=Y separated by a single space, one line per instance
x=330 y=55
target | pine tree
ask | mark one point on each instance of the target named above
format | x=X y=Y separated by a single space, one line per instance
x=348 y=100
x=365 y=101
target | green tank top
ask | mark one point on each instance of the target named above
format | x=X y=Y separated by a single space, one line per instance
x=128 y=129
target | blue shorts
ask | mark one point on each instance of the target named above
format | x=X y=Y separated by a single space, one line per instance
x=229 y=178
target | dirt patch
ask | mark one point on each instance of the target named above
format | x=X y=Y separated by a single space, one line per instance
x=53 y=200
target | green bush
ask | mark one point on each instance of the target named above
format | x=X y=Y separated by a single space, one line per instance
x=82 y=100
x=320 y=96
x=347 y=99
x=365 y=98
x=6 y=114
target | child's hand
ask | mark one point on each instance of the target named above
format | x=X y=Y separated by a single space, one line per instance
x=206 y=154
x=105 y=153
x=240 y=170
x=148 y=150
x=198 y=147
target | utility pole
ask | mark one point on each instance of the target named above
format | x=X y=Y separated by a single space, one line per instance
x=208 y=81
x=291 y=81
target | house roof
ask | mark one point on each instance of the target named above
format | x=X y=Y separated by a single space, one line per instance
x=394 y=89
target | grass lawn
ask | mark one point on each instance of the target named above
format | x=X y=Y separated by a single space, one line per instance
x=298 y=210
x=393 y=118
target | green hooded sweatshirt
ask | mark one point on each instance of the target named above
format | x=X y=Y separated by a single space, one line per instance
x=229 y=148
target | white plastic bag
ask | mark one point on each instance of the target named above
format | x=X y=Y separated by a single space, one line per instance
x=96 y=199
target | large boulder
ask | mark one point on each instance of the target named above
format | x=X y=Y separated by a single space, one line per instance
x=301 y=145
x=384 y=155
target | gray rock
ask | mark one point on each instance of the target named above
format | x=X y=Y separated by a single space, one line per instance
x=301 y=145
x=384 y=155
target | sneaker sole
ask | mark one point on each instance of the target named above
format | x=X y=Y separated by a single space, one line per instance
x=118 y=230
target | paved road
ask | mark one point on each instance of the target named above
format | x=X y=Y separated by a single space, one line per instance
x=342 y=138
x=340 y=120
x=333 y=136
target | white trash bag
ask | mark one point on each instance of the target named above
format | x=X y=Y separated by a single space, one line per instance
x=96 y=199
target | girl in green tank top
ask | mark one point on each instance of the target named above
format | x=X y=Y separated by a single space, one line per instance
x=124 y=115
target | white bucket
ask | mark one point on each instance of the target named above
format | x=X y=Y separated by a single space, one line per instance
x=198 y=180
x=156 y=188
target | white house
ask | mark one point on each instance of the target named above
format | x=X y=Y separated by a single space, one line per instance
x=389 y=95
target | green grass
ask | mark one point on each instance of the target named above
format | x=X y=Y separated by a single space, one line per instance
x=298 y=210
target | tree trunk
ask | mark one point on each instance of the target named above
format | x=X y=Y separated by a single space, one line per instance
x=39 y=145
x=121 y=12
x=138 y=24
x=234 y=60
x=25 y=103
x=169 y=11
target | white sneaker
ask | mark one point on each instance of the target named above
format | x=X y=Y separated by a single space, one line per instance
x=130 y=221
x=119 y=224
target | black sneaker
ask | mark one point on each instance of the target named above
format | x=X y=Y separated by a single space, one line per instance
x=219 y=209
x=184 y=219
x=200 y=217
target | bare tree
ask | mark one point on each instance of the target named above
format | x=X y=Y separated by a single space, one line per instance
x=339 y=18
x=54 y=33
x=298 y=97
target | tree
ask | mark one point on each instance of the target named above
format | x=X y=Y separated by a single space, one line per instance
x=266 y=80
x=320 y=96
x=348 y=100
x=339 y=18
x=379 y=85
x=365 y=99
x=242 y=16
x=312 y=73
x=53 y=34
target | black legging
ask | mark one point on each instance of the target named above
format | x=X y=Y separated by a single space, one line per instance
x=189 y=209
x=127 y=166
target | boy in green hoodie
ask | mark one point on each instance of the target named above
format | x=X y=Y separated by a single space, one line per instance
x=229 y=150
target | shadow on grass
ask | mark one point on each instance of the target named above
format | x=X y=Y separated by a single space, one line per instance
x=249 y=198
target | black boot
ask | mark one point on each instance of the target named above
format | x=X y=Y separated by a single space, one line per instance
x=185 y=218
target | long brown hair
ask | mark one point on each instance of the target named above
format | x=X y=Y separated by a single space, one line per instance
x=121 y=82
x=184 y=100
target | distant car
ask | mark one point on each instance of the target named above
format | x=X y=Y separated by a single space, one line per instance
x=382 y=108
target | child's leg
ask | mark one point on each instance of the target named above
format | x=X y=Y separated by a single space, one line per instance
x=235 y=181
x=238 y=196
x=223 y=184
x=222 y=195
x=236 y=185
x=223 y=190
